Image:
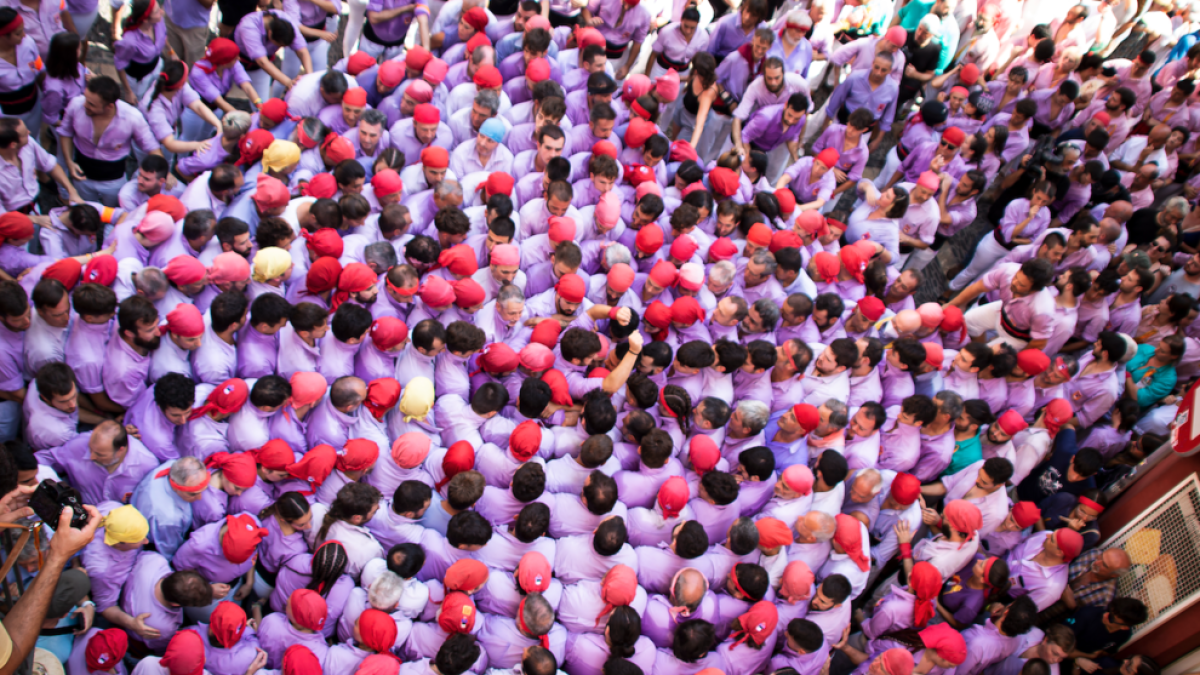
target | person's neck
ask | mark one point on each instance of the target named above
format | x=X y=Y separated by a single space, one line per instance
x=1066 y=299
x=781 y=374
x=447 y=508
x=965 y=435
x=936 y=428
x=976 y=583
x=227 y=335
x=10 y=154
x=788 y=436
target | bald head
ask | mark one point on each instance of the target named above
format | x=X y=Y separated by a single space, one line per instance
x=1158 y=135
x=815 y=526
x=1119 y=211
x=347 y=393
x=689 y=588
x=906 y=322
x=1110 y=230
x=865 y=486
x=1115 y=562
x=109 y=435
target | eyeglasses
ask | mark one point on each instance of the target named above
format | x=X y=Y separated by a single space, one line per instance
x=946 y=144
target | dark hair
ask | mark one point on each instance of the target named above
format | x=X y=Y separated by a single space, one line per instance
x=752 y=579
x=88 y=300
x=833 y=467
x=489 y=398
x=694 y=638
x=691 y=540
x=468 y=528
x=1019 y=617
x=465 y=489
x=186 y=588
x=106 y=88
x=62 y=63
x=600 y=492
x=173 y=390
x=227 y=309
x=722 y=488
x=410 y=496
x=998 y=469
x=806 y=634
x=426 y=332
x=307 y=316
x=289 y=506
x=611 y=535
x=135 y=310
x=172 y=72
x=528 y=482
x=836 y=587
x=457 y=654
x=354 y=499
x=405 y=560
x=532 y=523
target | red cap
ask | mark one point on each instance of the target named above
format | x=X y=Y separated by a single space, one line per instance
x=387 y=182
x=829 y=157
x=358 y=62
x=533 y=573
x=426 y=113
x=488 y=77
x=724 y=182
x=538 y=70
x=787 y=201
x=954 y=136
x=1025 y=514
x=682 y=249
x=459 y=260
x=561 y=229
x=325 y=242
x=391 y=74
x=785 y=239
x=639 y=131
x=759 y=235
x=722 y=249
x=320 y=186
x=854 y=260
x=387 y=332
x=828 y=266
x=934 y=355
x=807 y=415
x=871 y=307
x=498 y=183
x=476 y=18
x=969 y=74
x=649 y=239
x=308 y=609
x=546 y=333
x=664 y=274
x=417 y=57
x=620 y=277
x=435 y=157
x=604 y=148
x=242 y=536
x=571 y=287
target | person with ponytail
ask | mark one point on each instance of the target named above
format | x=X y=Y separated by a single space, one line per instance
x=66 y=77
x=138 y=54
x=165 y=105
x=286 y=522
x=324 y=572
x=346 y=521
x=675 y=408
x=622 y=638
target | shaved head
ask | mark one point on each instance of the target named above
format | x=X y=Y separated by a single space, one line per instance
x=689 y=588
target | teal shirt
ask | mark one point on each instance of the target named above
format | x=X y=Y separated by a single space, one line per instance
x=912 y=13
x=966 y=453
x=1160 y=382
x=949 y=41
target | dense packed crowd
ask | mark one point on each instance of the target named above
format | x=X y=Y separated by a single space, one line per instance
x=569 y=336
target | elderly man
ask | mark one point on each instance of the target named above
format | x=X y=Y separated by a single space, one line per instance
x=167 y=494
x=814 y=539
x=104 y=464
x=1091 y=580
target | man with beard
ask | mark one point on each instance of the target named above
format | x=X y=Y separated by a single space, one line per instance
x=567 y=304
x=1117 y=107
x=213 y=190
x=828 y=376
x=501 y=319
x=774 y=87
x=128 y=360
x=1023 y=314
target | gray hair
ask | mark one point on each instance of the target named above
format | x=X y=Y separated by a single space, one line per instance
x=380 y=254
x=235 y=123
x=722 y=273
x=1177 y=204
x=764 y=257
x=839 y=414
x=489 y=99
x=372 y=116
x=385 y=592
x=617 y=253
x=755 y=415
x=448 y=188
x=949 y=402
x=188 y=471
x=932 y=24
x=509 y=294
x=873 y=478
x=482 y=54
x=152 y=281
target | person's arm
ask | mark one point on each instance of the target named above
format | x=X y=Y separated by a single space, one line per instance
x=205 y=114
x=68 y=145
x=911 y=72
x=617 y=378
x=305 y=62
x=24 y=622
x=904 y=537
x=251 y=93
x=941 y=80
x=275 y=73
x=634 y=50
x=60 y=177
x=137 y=625
x=737 y=136
x=912 y=241
x=948 y=616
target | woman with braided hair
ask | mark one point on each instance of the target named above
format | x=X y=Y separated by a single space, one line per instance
x=323 y=571
x=675 y=412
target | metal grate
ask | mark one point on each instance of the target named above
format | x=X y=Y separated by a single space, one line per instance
x=1164 y=545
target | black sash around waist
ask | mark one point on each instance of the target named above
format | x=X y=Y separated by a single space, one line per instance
x=613 y=50
x=319 y=26
x=902 y=152
x=250 y=65
x=138 y=70
x=1000 y=239
x=369 y=33
x=1011 y=329
x=679 y=66
x=99 y=169
x=20 y=101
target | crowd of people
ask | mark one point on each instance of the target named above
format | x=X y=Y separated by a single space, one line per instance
x=570 y=336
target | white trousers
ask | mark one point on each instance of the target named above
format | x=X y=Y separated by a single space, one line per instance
x=986 y=318
x=889 y=167
x=103 y=191
x=354 y=24
x=987 y=253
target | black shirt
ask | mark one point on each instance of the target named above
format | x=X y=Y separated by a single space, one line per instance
x=1090 y=634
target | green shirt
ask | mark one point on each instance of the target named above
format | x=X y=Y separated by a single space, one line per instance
x=912 y=13
x=1152 y=383
x=966 y=453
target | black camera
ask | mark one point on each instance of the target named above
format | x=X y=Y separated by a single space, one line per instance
x=51 y=497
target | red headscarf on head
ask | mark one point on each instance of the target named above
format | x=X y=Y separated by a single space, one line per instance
x=105 y=649
x=239 y=469
x=356 y=277
x=227 y=623
x=377 y=630
x=947 y=642
x=533 y=573
x=299 y=660
x=227 y=398
x=465 y=575
x=459 y=457
x=382 y=396
x=924 y=583
x=457 y=614
x=849 y=536
x=963 y=516
x=66 y=271
x=359 y=454
x=314 y=467
x=673 y=496
x=185 y=654
x=379 y=664
x=543 y=639
x=274 y=455
x=897 y=661
x=525 y=440
x=618 y=589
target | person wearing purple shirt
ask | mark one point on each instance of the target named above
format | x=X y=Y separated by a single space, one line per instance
x=640 y=488
x=410 y=137
x=208 y=551
x=800 y=177
x=105 y=464
x=901 y=439
x=259 y=36
x=734 y=30
x=127 y=361
x=992 y=642
x=871 y=89
x=136 y=56
x=160 y=411
x=775 y=125
x=716 y=507
x=164 y=112
x=98 y=165
x=278 y=631
x=505 y=640
x=153 y=588
x=232 y=660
